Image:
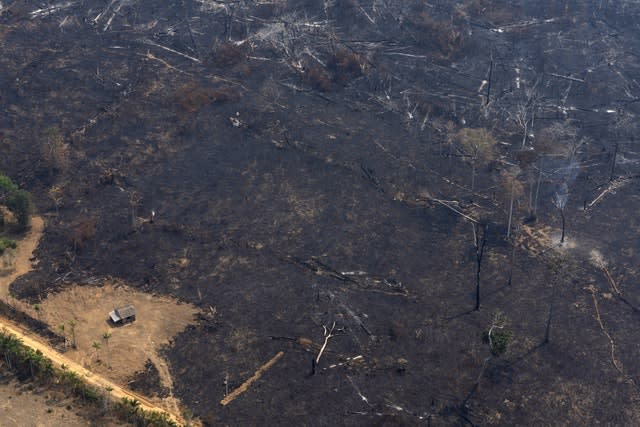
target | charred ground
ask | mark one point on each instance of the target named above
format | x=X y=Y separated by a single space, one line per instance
x=307 y=164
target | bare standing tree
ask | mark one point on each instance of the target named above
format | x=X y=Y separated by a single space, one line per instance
x=54 y=150
x=134 y=203
x=525 y=111
x=560 y=202
x=55 y=193
x=478 y=145
x=479 y=242
x=515 y=190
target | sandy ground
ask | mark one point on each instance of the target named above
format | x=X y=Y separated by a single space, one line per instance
x=21 y=256
x=21 y=407
x=105 y=355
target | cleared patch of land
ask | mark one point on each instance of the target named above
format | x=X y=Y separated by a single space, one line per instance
x=116 y=352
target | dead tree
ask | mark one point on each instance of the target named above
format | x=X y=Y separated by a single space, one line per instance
x=478 y=145
x=54 y=150
x=613 y=163
x=547 y=330
x=534 y=206
x=560 y=202
x=56 y=193
x=524 y=114
x=328 y=334
x=561 y=269
x=489 y=80
x=512 y=185
x=513 y=254
x=134 y=203
x=480 y=242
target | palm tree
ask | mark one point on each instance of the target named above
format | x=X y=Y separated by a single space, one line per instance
x=10 y=347
x=105 y=337
x=73 y=324
x=96 y=346
x=61 y=328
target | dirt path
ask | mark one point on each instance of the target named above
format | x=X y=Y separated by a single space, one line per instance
x=166 y=381
x=22 y=262
x=23 y=265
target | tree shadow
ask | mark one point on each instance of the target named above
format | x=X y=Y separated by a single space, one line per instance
x=459 y=315
x=526 y=354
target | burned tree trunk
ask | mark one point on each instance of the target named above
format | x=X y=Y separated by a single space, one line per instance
x=480 y=243
x=560 y=201
x=613 y=164
x=513 y=255
x=563 y=223
x=547 y=331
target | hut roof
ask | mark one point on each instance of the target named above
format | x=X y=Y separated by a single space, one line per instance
x=126 y=311
x=122 y=313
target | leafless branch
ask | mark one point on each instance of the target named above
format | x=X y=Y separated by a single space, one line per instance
x=328 y=334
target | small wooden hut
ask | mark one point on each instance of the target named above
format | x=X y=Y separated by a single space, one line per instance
x=122 y=315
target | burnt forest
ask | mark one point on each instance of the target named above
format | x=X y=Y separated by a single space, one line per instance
x=333 y=212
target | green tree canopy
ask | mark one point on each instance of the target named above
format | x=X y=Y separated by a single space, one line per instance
x=16 y=200
x=6 y=187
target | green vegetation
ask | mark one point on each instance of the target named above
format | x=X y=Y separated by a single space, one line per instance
x=25 y=361
x=6 y=244
x=6 y=186
x=500 y=341
x=17 y=201
x=497 y=336
x=28 y=363
x=129 y=410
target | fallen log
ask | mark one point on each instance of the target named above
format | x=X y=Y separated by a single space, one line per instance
x=245 y=385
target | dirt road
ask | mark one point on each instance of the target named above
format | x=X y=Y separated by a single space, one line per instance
x=22 y=266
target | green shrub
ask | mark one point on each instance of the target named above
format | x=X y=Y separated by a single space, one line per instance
x=19 y=202
x=6 y=244
x=497 y=336
x=6 y=186
x=499 y=342
x=130 y=410
x=16 y=200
